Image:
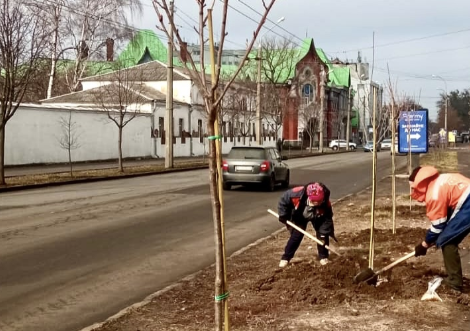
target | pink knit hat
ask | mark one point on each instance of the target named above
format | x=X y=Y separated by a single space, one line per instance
x=315 y=192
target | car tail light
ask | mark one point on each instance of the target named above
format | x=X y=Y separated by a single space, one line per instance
x=224 y=165
x=264 y=166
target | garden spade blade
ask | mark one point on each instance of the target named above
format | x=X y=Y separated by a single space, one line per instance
x=368 y=275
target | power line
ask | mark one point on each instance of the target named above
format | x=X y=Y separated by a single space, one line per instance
x=255 y=21
x=270 y=21
x=192 y=19
x=426 y=53
x=405 y=41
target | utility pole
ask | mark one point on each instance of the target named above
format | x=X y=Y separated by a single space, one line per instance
x=348 y=119
x=445 y=121
x=322 y=106
x=259 y=139
x=169 y=98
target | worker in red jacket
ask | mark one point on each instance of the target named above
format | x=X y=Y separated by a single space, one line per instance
x=448 y=208
x=301 y=205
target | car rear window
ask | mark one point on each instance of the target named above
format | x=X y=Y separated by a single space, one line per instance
x=246 y=153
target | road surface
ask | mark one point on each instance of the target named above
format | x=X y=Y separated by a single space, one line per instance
x=74 y=255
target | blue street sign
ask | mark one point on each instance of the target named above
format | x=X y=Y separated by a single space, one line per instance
x=413 y=131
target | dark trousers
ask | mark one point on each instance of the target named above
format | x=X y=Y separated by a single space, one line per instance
x=322 y=228
x=452 y=262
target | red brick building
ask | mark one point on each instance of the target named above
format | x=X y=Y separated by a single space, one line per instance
x=303 y=99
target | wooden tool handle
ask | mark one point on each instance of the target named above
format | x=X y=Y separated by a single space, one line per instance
x=305 y=233
x=400 y=260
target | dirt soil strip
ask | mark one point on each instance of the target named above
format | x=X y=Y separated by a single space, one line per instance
x=308 y=296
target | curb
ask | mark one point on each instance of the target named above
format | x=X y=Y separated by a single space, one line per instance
x=97 y=179
x=114 y=177
x=148 y=299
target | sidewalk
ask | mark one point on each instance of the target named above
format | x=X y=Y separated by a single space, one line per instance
x=23 y=170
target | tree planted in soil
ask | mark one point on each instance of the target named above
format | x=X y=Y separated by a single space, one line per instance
x=212 y=95
x=69 y=140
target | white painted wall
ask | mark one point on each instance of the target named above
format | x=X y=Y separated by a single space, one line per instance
x=32 y=136
x=88 y=85
x=181 y=89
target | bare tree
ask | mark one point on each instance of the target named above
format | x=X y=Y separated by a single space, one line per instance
x=80 y=29
x=22 y=42
x=69 y=140
x=212 y=101
x=278 y=63
x=122 y=100
x=309 y=115
x=239 y=107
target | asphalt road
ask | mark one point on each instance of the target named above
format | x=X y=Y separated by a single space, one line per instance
x=74 y=255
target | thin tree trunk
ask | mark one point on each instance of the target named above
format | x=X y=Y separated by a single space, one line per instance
x=70 y=162
x=78 y=61
x=54 y=53
x=2 y=153
x=121 y=168
x=219 y=263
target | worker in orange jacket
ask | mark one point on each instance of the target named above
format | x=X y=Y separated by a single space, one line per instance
x=447 y=198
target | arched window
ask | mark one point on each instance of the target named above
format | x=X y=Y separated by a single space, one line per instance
x=308 y=93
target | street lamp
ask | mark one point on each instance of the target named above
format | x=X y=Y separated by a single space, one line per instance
x=445 y=108
x=258 y=85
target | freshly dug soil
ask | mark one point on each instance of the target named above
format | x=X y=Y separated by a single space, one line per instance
x=308 y=296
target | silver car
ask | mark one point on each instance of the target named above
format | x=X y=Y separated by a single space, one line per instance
x=386 y=144
x=255 y=165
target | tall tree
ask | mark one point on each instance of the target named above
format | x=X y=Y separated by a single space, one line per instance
x=459 y=106
x=80 y=29
x=212 y=102
x=22 y=44
x=277 y=65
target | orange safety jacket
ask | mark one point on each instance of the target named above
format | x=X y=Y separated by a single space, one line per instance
x=447 y=207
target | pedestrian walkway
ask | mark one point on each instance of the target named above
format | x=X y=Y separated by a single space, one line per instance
x=12 y=171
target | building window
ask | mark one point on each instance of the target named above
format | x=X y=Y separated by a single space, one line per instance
x=224 y=129
x=161 y=127
x=180 y=127
x=308 y=92
x=199 y=130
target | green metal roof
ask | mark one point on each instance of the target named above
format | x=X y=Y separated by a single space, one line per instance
x=338 y=76
x=144 y=44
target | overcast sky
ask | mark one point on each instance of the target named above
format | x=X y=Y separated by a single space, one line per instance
x=416 y=38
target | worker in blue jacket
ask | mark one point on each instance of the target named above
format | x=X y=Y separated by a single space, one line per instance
x=301 y=205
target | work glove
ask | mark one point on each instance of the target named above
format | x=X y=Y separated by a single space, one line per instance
x=282 y=220
x=420 y=250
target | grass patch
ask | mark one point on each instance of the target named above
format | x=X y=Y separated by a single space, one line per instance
x=58 y=177
x=443 y=160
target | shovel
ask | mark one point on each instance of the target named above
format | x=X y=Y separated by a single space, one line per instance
x=370 y=276
x=305 y=233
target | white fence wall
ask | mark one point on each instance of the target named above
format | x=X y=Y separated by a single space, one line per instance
x=32 y=136
x=33 y=133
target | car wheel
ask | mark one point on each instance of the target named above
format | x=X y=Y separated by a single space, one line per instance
x=226 y=186
x=335 y=148
x=351 y=148
x=285 y=184
x=271 y=184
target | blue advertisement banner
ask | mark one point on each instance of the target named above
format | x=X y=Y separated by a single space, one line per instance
x=413 y=131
